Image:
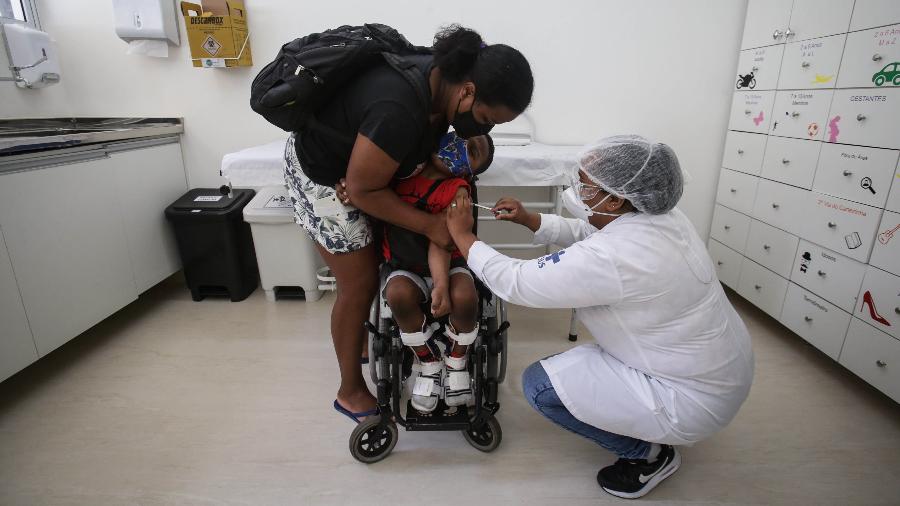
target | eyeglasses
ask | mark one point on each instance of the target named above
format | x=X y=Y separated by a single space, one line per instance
x=583 y=190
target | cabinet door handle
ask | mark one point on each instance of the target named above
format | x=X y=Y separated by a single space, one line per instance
x=766 y=247
x=757 y=287
x=897 y=310
x=788 y=33
x=777 y=34
x=748 y=112
x=795 y=114
x=785 y=161
x=733 y=190
x=860 y=117
x=727 y=227
x=755 y=69
x=720 y=262
x=876 y=57
x=807 y=319
x=881 y=363
x=848 y=173
x=805 y=64
x=832 y=224
x=822 y=274
x=740 y=151
x=775 y=206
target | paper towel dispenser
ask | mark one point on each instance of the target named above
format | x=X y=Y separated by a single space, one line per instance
x=146 y=20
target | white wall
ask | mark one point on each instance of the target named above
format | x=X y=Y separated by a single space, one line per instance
x=656 y=67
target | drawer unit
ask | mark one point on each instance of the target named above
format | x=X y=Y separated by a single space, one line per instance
x=855 y=173
x=818 y=18
x=811 y=64
x=758 y=68
x=873 y=356
x=744 y=152
x=762 y=287
x=766 y=22
x=865 y=118
x=827 y=274
x=730 y=228
x=879 y=301
x=821 y=323
x=841 y=225
x=893 y=200
x=871 y=13
x=737 y=190
x=886 y=248
x=750 y=111
x=727 y=262
x=772 y=248
x=781 y=206
x=800 y=114
x=867 y=56
x=791 y=161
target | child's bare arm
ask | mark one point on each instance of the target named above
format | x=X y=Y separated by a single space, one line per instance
x=439 y=265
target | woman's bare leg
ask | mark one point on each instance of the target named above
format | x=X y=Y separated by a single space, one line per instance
x=356 y=275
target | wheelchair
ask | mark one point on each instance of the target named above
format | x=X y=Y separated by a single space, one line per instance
x=390 y=365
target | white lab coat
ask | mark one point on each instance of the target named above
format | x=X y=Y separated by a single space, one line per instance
x=672 y=361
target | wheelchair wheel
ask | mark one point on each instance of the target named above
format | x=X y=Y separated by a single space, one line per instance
x=485 y=438
x=370 y=443
x=504 y=341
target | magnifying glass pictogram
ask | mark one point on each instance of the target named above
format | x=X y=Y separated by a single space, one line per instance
x=866 y=183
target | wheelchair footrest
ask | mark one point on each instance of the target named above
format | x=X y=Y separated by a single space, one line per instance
x=439 y=419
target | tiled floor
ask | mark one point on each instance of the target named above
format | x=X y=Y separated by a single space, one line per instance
x=176 y=402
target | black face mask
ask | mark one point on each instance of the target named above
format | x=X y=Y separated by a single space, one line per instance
x=465 y=125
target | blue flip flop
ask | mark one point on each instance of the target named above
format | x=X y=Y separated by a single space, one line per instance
x=351 y=415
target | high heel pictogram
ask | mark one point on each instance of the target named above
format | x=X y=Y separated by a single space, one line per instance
x=867 y=299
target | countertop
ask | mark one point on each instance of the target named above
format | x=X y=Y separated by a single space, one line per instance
x=18 y=136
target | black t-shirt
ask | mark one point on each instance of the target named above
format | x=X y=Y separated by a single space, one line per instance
x=381 y=105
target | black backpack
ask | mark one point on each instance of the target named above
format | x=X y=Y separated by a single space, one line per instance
x=309 y=70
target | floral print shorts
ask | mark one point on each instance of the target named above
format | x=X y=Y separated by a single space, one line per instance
x=342 y=233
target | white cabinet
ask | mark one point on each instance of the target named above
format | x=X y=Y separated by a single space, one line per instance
x=821 y=323
x=730 y=228
x=841 y=225
x=781 y=206
x=893 y=200
x=744 y=152
x=871 y=13
x=758 y=68
x=751 y=111
x=800 y=113
x=811 y=64
x=727 y=263
x=866 y=56
x=791 y=161
x=772 y=248
x=68 y=247
x=766 y=23
x=873 y=356
x=762 y=287
x=886 y=249
x=147 y=180
x=879 y=301
x=16 y=343
x=828 y=274
x=865 y=118
x=737 y=190
x=818 y=18
x=856 y=173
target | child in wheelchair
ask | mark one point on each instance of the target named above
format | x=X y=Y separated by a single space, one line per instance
x=425 y=277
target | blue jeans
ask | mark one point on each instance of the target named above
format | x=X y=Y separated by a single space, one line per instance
x=539 y=392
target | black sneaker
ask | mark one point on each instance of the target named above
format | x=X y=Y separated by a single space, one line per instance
x=633 y=478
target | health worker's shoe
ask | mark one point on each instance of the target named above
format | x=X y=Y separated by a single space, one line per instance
x=428 y=386
x=633 y=478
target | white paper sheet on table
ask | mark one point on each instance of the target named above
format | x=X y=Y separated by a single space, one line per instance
x=534 y=164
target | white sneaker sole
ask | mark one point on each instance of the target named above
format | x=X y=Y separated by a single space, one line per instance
x=656 y=480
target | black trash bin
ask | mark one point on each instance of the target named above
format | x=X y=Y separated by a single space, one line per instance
x=215 y=243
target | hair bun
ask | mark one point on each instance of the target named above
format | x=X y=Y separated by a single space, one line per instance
x=455 y=50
